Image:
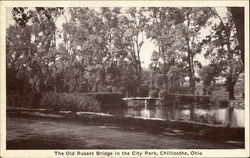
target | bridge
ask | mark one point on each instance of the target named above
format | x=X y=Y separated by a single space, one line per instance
x=144 y=99
x=182 y=98
x=141 y=98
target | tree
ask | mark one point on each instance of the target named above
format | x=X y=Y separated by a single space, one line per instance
x=222 y=50
x=36 y=36
x=135 y=29
x=125 y=31
x=238 y=18
x=190 y=21
x=115 y=46
x=176 y=31
x=208 y=74
x=17 y=55
x=99 y=43
x=158 y=30
x=100 y=48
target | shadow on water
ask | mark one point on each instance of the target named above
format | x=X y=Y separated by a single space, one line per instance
x=218 y=116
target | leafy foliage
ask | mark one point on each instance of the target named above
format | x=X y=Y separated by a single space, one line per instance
x=70 y=101
x=224 y=53
x=31 y=45
x=99 y=49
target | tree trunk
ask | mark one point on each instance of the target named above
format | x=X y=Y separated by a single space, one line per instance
x=138 y=85
x=139 y=78
x=231 y=92
x=138 y=64
x=152 y=81
x=166 y=83
x=191 y=72
x=190 y=61
x=166 y=78
x=230 y=85
x=238 y=18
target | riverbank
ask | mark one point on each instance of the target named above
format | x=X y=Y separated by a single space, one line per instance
x=29 y=132
x=229 y=137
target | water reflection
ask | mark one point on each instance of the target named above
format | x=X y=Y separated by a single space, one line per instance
x=212 y=116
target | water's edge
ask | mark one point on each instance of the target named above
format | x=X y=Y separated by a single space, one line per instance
x=201 y=130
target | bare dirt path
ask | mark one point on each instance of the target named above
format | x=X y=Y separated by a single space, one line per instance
x=43 y=133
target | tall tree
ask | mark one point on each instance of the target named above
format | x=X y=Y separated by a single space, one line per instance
x=136 y=27
x=238 y=18
x=158 y=29
x=223 y=51
x=39 y=43
x=82 y=49
x=191 y=21
x=207 y=75
x=176 y=31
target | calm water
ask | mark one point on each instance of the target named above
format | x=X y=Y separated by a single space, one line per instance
x=218 y=116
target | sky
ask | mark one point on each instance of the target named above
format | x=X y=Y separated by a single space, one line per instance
x=148 y=47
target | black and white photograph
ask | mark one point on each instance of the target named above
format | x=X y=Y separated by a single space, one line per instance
x=106 y=81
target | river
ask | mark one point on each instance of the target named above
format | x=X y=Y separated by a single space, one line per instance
x=218 y=116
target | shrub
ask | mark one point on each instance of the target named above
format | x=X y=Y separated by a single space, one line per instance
x=114 y=89
x=122 y=91
x=188 y=99
x=108 y=98
x=80 y=101
x=108 y=89
x=36 y=99
x=207 y=118
x=18 y=100
x=154 y=93
x=144 y=91
x=185 y=90
x=70 y=101
x=163 y=93
x=223 y=103
x=67 y=101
